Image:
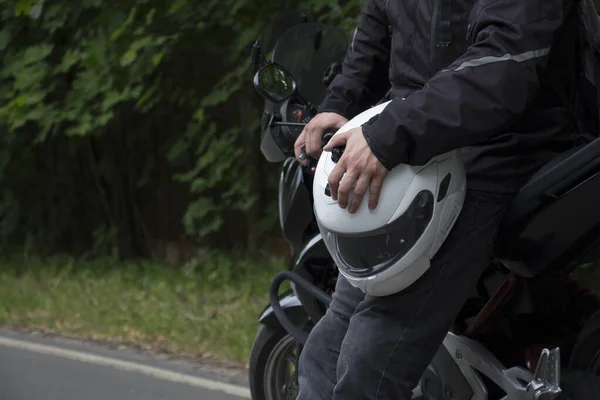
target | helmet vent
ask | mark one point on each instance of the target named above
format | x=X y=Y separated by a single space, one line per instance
x=444 y=185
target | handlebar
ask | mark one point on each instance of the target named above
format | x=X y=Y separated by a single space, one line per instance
x=336 y=153
x=328 y=135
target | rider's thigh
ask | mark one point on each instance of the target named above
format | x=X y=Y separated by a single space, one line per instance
x=391 y=340
x=318 y=360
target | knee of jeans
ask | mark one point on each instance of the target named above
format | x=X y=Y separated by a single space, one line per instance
x=325 y=340
x=367 y=348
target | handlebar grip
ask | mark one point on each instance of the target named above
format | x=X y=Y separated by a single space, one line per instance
x=328 y=135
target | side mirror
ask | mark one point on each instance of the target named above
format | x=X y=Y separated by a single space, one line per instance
x=274 y=83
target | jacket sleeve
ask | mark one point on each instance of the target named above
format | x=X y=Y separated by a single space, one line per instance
x=365 y=72
x=481 y=93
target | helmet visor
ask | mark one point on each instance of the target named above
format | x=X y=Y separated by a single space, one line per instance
x=366 y=253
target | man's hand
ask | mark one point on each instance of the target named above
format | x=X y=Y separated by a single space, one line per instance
x=357 y=171
x=310 y=140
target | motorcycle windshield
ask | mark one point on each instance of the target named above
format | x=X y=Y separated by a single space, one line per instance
x=306 y=51
x=275 y=28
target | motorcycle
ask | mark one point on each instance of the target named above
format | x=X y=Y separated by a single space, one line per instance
x=312 y=53
x=503 y=345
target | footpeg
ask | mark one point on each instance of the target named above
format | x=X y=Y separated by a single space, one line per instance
x=546 y=381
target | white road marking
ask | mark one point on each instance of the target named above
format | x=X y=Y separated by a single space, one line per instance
x=155 y=372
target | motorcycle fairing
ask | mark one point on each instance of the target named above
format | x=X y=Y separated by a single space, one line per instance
x=314 y=254
x=555 y=219
x=295 y=205
x=291 y=306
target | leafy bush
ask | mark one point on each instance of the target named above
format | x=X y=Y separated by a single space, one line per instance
x=134 y=116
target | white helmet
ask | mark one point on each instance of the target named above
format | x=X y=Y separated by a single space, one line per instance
x=383 y=251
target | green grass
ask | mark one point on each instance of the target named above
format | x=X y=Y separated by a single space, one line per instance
x=207 y=308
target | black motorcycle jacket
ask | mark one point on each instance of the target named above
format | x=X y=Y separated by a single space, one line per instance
x=477 y=75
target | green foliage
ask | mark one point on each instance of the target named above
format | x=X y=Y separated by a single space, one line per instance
x=217 y=155
x=98 y=99
x=76 y=87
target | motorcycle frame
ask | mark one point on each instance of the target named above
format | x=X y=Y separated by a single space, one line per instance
x=459 y=356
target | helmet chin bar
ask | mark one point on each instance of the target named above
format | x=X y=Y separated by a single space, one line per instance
x=518 y=383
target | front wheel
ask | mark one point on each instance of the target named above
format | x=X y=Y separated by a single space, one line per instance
x=273 y=365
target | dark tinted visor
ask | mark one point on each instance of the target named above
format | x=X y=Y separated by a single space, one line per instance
x=367 y=253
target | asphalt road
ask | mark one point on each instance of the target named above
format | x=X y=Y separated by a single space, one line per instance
x=33 y=368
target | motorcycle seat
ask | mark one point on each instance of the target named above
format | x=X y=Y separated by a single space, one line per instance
x=521 y=239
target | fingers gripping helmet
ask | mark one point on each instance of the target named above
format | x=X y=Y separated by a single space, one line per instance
x=383 y=251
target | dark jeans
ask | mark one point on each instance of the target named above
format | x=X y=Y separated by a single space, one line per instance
x=378 y=347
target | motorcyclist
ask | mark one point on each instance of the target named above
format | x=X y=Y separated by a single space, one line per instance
x=477 y=75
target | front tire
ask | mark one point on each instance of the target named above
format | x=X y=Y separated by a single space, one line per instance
x=273 y=365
